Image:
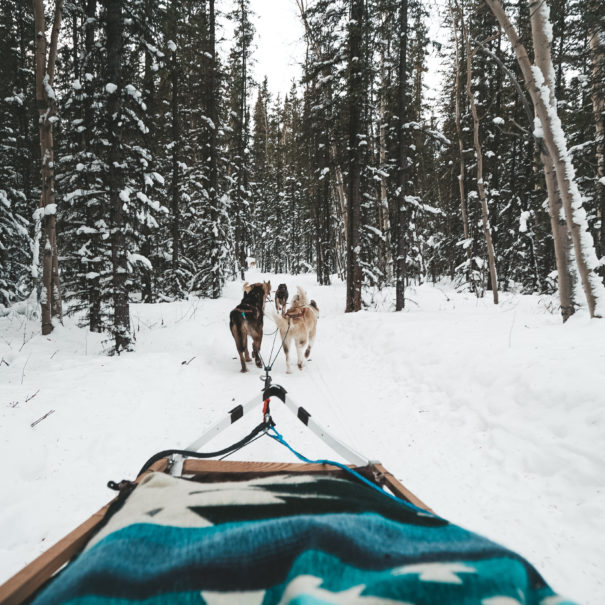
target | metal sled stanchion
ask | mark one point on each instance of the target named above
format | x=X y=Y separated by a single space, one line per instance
x=346 y=451
x=232 y=416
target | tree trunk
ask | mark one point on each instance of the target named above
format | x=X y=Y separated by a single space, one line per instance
x=93 y=286
x=596 y=32
x=561 y=239
x=326 y=226
x=354 y=206
x=557 y=149
x=176 y=147
x=115 y=179
x=479 y=154
x=242 y=184
x=383 y=208
x=150 y=143
x=216 y=274
x=463 y=208
x=402 y=218
x=50 y=298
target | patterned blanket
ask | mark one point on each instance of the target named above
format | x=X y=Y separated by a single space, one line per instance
x=303 y=540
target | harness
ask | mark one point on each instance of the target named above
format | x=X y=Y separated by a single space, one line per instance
x=296 y=313
x=250 y=309
x=267 y=427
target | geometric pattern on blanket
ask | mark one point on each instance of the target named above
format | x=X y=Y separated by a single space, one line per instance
x=299 y=539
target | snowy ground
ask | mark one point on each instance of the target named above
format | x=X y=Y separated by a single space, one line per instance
x=494 y=416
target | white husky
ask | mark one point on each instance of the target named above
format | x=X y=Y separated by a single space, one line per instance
x=299 y=323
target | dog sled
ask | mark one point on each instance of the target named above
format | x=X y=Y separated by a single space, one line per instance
x=194 y=529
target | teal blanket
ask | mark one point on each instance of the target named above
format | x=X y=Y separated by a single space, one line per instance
x=288 y=539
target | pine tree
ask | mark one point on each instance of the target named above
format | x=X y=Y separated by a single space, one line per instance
x=239 y=133
x=83 y=225
x=104 y=265
x=16 y=150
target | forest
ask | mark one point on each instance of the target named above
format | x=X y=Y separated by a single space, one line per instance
x=141 y=162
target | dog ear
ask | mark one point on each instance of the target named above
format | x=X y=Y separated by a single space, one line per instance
x=247 y=287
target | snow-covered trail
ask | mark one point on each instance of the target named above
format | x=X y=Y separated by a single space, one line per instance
x=494 y=416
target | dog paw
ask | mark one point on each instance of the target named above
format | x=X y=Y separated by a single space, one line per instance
x=308 y=352
x=244 y=370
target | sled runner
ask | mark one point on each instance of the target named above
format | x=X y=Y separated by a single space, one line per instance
x=196 y=530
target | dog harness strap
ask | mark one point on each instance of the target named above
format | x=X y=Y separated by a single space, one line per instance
x=244 y=311
x=266 y=410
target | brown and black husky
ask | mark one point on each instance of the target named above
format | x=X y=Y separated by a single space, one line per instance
x=247 y=320
x=281 y=298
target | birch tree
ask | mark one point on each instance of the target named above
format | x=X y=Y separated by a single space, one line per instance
x=561 y=238
x=45 y=59
x=550 y=129
x=596 y=33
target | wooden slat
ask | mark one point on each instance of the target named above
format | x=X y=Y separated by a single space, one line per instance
x=194 y=466
x=216 y=471
x=399 y=489
x=25 y=582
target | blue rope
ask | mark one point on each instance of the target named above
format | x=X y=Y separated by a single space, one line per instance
x=280 y=439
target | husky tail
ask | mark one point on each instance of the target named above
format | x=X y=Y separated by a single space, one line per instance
x=280 y=321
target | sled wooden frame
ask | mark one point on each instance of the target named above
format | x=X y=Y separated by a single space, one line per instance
x=26 y=582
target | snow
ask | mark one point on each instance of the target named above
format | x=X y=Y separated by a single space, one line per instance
x=140 y=259
x=37 y=216
x=50 y=93
x=208 y=121
x=4 y=199
x=465 y=243
x=538 y=131
x=132 y=91
x=125 y=194
x=111 y=88
x=545 y=13
x=492 y=415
